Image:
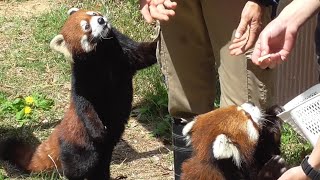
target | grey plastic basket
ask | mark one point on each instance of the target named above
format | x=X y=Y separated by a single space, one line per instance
x=303 y=114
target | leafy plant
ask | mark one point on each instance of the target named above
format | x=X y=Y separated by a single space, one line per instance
x=163 y=128
x=293 y=146
x=23 y=107
x=3 y=177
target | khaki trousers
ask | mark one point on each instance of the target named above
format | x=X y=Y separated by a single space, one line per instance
x=194 y=44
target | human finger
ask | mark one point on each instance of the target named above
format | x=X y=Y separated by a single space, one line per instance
x=235 y=40
x=146 y=13
x=270 y=61
x=264 y=64
x=238 y=48
x=256 y=53
x=162 y=10
x=275 y=57
x=169 y=4
x=253 y=34
x=242 y=27
x=264 y=43
x=156 y=2
x=238 y=45
x=272 y=64
x=154 y=12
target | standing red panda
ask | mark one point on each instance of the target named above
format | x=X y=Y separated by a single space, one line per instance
x=104 y=62
x=235 y=142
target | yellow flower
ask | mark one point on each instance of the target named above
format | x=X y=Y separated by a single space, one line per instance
x=29 y=100
x=27 y=110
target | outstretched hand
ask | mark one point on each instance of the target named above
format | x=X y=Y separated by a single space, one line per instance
x=276 y=39
x=279 y=36
x=160 y=10
x=248 y=29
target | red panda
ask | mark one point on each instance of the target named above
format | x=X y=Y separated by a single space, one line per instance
x=104 y=62
x=235 y=142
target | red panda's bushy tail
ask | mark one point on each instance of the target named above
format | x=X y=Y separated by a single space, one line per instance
x=17 y=152
x=31 y=158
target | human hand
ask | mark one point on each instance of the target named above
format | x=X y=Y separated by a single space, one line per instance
x=157 y=9
x=276 y=39
x=248 y=29
x=295 y=173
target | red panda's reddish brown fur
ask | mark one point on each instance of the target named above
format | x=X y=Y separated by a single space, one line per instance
x=46 y=155
x=228 y=121
x=72 y=34
x=77 y=137
x=200 y=171
x=231 y=122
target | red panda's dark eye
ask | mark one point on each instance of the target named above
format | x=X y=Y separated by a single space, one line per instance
x=87 y=27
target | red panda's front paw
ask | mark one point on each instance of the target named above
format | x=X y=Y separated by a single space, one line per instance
x=273 y=169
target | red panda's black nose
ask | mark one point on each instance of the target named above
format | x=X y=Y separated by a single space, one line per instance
x=101 y=21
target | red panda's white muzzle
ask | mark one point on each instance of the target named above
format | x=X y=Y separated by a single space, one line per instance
x=99 y=26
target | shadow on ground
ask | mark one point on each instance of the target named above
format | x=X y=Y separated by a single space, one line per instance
x=126 y=153
x=25 y=134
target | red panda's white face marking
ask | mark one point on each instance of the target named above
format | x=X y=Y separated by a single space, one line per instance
x=185 y=131
x=253 y=133
x=223 y=148
x=82 y=32
x=231 y=132
x=254 y=111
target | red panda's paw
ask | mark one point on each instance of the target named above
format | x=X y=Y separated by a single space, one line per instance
x=273 y=169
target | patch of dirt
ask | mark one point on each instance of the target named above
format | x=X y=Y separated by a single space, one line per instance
x=24 y=9
x=19 y=9
x=140 y=156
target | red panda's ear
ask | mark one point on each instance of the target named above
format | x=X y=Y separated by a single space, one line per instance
x=72 y=10
x=58 y=44
x=186 y=132
x=223 y=148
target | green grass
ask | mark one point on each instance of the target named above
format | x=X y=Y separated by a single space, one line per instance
x=26 y=109
x=294 y=147
x=152 y=107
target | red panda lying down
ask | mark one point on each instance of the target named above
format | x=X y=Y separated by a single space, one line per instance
x=236 y=142
x=104 y=62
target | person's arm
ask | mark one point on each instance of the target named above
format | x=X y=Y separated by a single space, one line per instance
x=298 y=11
x=278 y=37
x=314 y=158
